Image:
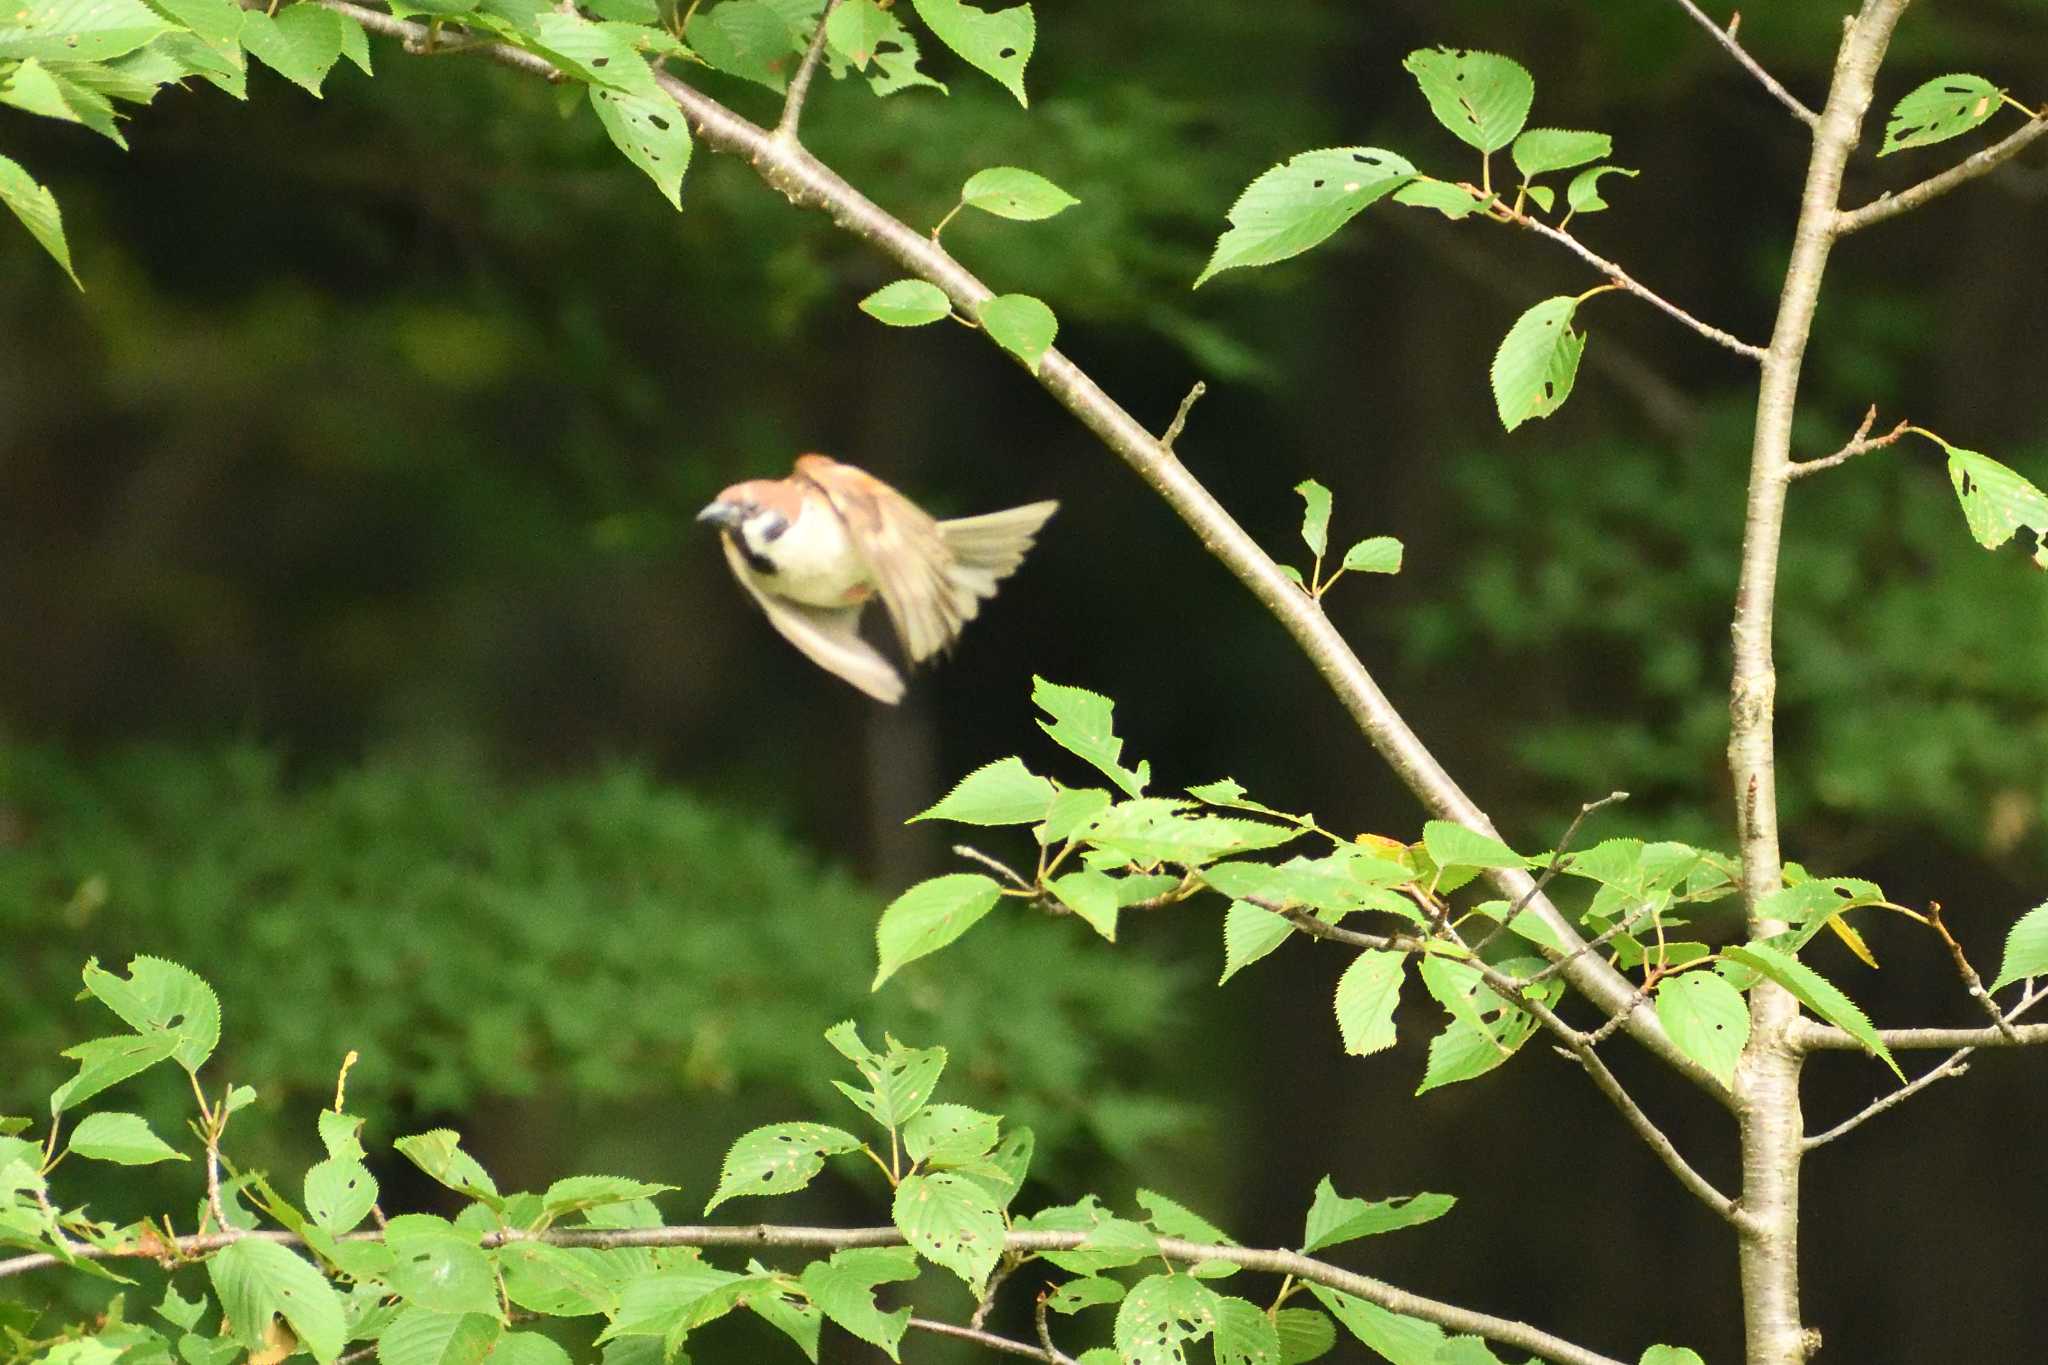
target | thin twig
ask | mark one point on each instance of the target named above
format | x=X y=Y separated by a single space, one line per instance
x=1608 y=935
x=1052 y=1352
x=1956 y=1065
x=1858 y=444
x=979 y=1338
x=1726 y=38
x=992 y=864
x=1556 y=865
x=1971 y=981
x=1004 y=1270
x=800 y=83
x=1623 y=280
x=1979 y=163
x=1180 y=418
x=1506 y=1331
x=1654 y=1137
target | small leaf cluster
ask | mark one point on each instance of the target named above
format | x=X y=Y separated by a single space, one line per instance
x=1375 y=554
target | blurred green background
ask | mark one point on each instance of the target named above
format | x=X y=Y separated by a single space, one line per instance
x=357 y=648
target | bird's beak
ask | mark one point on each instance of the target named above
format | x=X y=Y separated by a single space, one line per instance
x=720 y=514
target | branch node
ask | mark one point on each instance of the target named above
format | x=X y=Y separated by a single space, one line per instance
x=1180 y=418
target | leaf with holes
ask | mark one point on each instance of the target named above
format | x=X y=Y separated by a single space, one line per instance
x=844 y=1290
x=37 y=209
x=1481 y=97
x=339 y=1193
x=1366 y=996
x=1945 y=107
x=1466 y=1049
x=952 y=1222
x=1315 y=516
x=1334 y=1219
x=1089 y=1291
x=1997 y=502
x=907 y=303
x=900 y=1080
x=1305 y=1335
x=1537 y=362
x=1300 y=203
x=1541 y=150
x=258 y=1280
x=929 y=916
x=1083 y=723
x=651 y=133
x=1244 y=1334
x=1583 y=194
x=162 y=995
x=950 y=1134
x=998 y=44
x=1706 y=1018
x=1021 y=325
x=778 y=1159
x=744 y=38
x=440 y=1266
x=1160 y=1315
x=1004 y=792
x=124 y=1139
x=1012 y=192
x=1815 y=992
x=1380 y=554
x=438 y=1152
x=601 y=54
x=2026 y=949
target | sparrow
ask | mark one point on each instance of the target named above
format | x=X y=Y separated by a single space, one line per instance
x=815 y=548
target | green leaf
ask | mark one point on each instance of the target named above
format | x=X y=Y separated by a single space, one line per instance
x=180 y=1311
x=341 y=1134
x=1543 y=197
x=160 y=995
x=1110 y=1241
x=844 y=1290
x=1100 y=1355
x=1003 y=793
x=1583 y=194
x=952 y=1222
x=1083 y=723
x=1537 y=362
x=907 y=303
x=1465 y=1351
x=1073 y=808
x=527 y=1348
x=1092 y=896
x=1380 y=554
x=1816 y=898
x=2026 y=949
x=651 y=133
x=1305 y=1335
x=1244 y=1334
x=1541 y=150
x=1089 y=1291
x=124 y=1139
x=1453 y=845
x=1366 y=996
x=103 y=1062
x=1485 y=1030
x=1250 y=933
x=1707 y=1018
x=1945 y=107
x=440 y=1266
x=1300 y=203
x=900 y=1081
x=1816 y=993
x=1401 y=1340
x=258 y=1280
x=1160 y=1314
x=302 y=43
x=37 y=209
x=949 y=1134
x=929 y=916
x=599 y=54
x=1315 y=516
x=339 y=1193
x=1176 y=1220
x=998 y=43
x=77 y=30
x=1997 y=502
x=1452 y=201
x=654 y=1302
x=1021 y=325
x=561 y=1281
x=1011 y=192
x=1671 y=1355
x=439 y=1153
x=1334 y=1219
x=577 y=1193
x=419 y=1336
x=856 y=28
x=778 y=1159
x=744 y=38
x=1151 y=830
x=1482 y=98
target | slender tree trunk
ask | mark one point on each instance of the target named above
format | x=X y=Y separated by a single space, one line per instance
x=1767 y=1081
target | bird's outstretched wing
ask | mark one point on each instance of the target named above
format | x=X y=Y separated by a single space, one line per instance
x=830 y=637
x=904 y=550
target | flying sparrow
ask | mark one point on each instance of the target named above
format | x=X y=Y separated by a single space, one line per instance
x=815 y=548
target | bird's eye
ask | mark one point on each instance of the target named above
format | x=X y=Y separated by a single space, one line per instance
x=770 y=525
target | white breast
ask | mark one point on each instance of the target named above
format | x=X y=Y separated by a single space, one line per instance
x=815 y=561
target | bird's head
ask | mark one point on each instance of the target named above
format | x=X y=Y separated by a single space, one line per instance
x=758 y=510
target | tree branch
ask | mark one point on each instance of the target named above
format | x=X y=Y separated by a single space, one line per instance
x=800 y=83
x=1972 y=983
x=1978 y=163
x=1726 y=38
x=1667 y=1151
x=1858 y=444
x=1002 y=1345
x=1507 y=1331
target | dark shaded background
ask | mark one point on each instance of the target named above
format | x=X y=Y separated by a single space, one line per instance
x=351 y=503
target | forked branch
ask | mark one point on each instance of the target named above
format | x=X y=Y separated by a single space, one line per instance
x=1978 y=163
